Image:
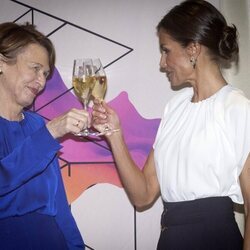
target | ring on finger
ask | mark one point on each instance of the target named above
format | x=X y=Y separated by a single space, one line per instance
x=77 y=124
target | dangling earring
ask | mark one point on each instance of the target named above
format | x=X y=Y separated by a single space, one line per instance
x=193 y=61
x=1 y=72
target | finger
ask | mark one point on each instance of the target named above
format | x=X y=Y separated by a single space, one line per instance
x=77 y=123
x=100 y=116
x=106 y=107
x=99 y=107
x=82 y=123
x=98 y=121
x=80 y=118
x=97 y=101
x=78 y=113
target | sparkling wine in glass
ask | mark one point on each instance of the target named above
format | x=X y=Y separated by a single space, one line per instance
x=100 y=88
x=83 y=82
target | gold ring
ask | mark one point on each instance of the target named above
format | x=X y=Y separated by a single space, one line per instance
x=77 y=124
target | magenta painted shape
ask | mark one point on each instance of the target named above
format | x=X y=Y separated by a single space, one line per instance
x=139 y=132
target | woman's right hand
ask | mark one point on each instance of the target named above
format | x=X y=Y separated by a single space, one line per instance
x=72 y=121
x=104 y=116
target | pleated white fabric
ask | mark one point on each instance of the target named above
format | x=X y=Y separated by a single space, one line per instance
x=200 y=148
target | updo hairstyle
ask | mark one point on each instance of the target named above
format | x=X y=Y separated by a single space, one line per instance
x=199 y=21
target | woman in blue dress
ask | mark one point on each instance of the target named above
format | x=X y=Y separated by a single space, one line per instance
x=200 y=161
x=34 y=213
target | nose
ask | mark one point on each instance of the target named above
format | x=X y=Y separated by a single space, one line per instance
x=42 y=76
x=41 y=79
x=163 y=63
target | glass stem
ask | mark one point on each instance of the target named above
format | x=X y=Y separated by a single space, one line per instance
x=85 y=104
x=85 y=107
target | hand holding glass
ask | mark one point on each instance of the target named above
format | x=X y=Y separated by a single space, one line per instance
x=100 y=88
x=89 y=80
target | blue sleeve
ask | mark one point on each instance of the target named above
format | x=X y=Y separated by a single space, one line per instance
x=65 y=219
x=27 y=160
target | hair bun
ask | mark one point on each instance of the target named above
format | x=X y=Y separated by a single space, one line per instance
x=228 y=44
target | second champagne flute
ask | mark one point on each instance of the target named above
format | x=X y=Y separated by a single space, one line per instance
x=99 y=89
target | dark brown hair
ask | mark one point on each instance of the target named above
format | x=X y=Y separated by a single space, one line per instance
x=14 y=38
x=199 y=21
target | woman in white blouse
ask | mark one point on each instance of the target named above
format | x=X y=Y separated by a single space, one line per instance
x=200 y=161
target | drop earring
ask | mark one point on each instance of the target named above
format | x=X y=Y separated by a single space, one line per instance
x=1 y=72
x=193 y=61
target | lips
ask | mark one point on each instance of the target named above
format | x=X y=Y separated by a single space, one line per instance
x=169 y=74
x=34 y=91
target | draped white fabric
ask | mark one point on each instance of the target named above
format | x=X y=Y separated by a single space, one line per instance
x=201 y=148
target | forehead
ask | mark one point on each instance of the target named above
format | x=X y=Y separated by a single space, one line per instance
x=166 y=40
x=34 y=53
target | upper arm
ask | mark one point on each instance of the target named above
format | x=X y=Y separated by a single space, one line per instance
x=245 y=184
x=149 y=171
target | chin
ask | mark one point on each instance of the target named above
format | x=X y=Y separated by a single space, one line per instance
x=27 y=103
x=179 y=85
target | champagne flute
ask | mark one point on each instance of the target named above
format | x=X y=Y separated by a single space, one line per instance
x=100 y=88
x=83 y=82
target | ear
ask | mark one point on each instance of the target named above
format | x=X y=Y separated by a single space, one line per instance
x=193 y=49
x=1 y=59
x=1 y=64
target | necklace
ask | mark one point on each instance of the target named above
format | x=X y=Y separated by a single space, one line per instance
x=22 y=116
x=18 y=118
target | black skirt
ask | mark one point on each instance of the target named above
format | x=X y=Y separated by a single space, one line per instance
x=202 y=224
x=31 y=231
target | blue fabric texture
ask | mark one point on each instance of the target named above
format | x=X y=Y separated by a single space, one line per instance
x=30 y=177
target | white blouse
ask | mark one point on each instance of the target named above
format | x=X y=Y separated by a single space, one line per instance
x=200 y=148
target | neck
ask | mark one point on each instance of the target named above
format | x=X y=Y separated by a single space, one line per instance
x=9 y=109
x=11 y=112
x=12 y=116
x=207 y=83
x=204 y=93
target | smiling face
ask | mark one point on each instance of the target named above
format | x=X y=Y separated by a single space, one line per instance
x=22 y=80
x=175 y=60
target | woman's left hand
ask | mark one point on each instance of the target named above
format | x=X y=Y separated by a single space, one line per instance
x=103 y=116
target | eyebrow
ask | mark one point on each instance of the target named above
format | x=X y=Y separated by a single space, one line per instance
x=37 y=63
x=162 y=47
x=41 y=65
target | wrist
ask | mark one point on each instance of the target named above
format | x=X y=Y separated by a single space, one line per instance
x=114 y=133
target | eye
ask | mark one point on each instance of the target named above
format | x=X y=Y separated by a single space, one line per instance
x=164 y=51
x=36 y=68
x=46 y=74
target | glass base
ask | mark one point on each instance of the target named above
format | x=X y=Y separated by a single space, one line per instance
x=87 y=132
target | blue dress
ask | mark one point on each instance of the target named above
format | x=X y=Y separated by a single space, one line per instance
x=33 y=206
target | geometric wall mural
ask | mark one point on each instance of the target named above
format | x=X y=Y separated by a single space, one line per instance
x=86 y=162
x=123 y=35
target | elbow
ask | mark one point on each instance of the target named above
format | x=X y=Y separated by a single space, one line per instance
x=144 y=201
x=143 y=205
x=246 y=209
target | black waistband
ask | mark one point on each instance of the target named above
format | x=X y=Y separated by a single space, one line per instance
x=194 y=211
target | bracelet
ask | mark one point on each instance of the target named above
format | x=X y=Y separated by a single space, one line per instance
x=115 y=130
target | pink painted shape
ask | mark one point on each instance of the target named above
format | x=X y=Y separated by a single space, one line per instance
x=139 y=132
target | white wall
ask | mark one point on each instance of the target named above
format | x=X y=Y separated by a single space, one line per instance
x=238 y=13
